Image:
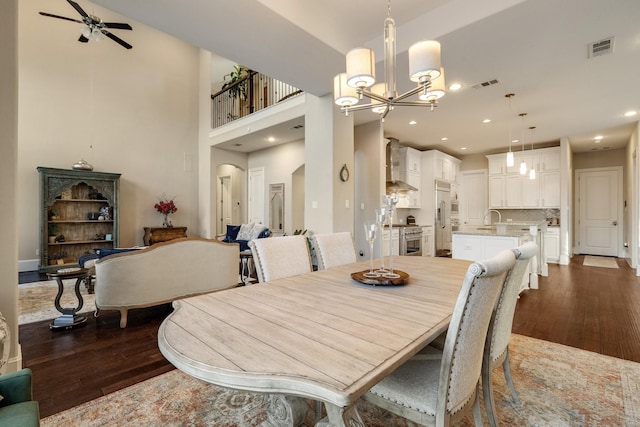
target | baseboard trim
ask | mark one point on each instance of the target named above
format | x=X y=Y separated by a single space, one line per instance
x=28 y=265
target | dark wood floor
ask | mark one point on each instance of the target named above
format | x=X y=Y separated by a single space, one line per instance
x=597 y=309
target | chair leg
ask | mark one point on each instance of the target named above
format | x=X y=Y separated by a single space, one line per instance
x=487 y=391
x=506 y=367
x=477 y=415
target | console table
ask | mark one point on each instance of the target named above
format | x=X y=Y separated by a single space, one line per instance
x=154 y=235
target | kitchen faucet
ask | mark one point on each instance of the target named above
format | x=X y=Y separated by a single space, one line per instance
x=488 y=214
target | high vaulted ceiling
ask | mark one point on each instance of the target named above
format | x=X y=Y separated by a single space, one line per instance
x=537 y=49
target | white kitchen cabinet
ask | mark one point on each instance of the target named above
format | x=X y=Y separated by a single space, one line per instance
x=509 y=189
x=497 y=191
x=552 y=244
x=440 y=165
x=549 y=189
x=413 y=198
x=467 y=246
x=427 y=241
x=395 y=242
x=409 y=159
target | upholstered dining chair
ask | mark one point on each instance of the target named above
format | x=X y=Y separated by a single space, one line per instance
x=279 y=257
x=333 y=249
x=496 y=349
x=439 y=388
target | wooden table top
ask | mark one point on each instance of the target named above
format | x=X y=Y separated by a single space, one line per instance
x=319 y=335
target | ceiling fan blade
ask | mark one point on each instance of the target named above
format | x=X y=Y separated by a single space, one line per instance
x=117 y=25
x=60 y=17
x=116 y=39
x=83 y=39
x=77 y=7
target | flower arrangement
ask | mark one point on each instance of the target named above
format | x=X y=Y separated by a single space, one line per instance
x=165 y=206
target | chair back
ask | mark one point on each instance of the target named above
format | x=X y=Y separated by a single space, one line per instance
x=502 y=319
x=333 y=249
x=5 y=341
x=279 y=257
x=463 y=349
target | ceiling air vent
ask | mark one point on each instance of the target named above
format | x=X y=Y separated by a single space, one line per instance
x=485 y=84
x=601 y=47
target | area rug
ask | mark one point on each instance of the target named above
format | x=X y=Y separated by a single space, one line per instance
x=558 y=386
x=600 y=261
x=36 y=300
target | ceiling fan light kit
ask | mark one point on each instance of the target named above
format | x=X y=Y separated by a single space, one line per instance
x=424 y=68
x=95 y=28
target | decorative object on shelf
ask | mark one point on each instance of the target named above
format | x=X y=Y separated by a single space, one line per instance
x=424 y=68
x=66 y=194
x=166 y=206
x=92 y=216
x=344 y=173
x=106 y=212
x=510 y=159
x=82 y=165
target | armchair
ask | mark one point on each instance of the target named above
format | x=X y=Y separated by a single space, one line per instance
x=17 y=407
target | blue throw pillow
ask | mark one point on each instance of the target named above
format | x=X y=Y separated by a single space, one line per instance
x=232 y=233
x=103 y=252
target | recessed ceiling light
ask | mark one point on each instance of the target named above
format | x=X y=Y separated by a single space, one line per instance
x=444 y=138
x=463 y=148
x=630 y=113
x=412 y=122
x=455 y=86
x=486 y=121
x=598 y=138
x=514 y=141
x=271 y=139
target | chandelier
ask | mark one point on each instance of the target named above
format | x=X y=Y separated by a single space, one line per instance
x=359 y=81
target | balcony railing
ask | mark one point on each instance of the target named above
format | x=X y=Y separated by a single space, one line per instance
x=248 y=95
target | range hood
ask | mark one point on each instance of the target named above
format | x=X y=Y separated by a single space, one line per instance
x=394 y=183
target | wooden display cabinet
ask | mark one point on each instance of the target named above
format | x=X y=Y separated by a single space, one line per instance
x=82 y=206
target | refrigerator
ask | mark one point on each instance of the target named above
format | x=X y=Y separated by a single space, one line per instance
x=442 y=228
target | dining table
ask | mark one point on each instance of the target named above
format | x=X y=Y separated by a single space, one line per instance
x=319 y=336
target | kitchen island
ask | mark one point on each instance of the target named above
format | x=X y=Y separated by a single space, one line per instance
x=474 y=243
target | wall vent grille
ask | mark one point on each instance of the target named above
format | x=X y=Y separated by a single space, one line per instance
x=485 y=84
x=601 y=47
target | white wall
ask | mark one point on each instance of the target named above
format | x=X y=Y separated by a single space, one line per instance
x=370 y=180
x=279 y=163
x=138 y=109
x=8 y=174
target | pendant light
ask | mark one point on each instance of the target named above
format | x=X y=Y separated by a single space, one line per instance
x=523 y=164
x=510 y=153
x=532 y=171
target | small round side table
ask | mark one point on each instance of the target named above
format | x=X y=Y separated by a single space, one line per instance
x=69 y=319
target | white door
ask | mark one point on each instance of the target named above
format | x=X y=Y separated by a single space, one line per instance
x=226 y=204
x=599 y=211
x=473 y=200
x=256 y=195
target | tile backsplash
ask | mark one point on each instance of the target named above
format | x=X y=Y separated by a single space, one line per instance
x=529 y=215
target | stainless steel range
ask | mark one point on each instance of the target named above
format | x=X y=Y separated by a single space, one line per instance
x=410 y=240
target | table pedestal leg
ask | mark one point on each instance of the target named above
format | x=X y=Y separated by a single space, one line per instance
x=341 y=417
x=69 y=319
x=285 y=411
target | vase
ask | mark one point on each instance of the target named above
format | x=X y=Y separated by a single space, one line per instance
x=167 y=222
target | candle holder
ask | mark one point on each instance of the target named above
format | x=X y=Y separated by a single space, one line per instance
x=390 y=201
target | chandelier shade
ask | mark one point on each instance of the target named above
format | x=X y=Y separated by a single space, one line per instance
x=424 y=60
x=437 y=89
x=344 y=95
x=425 y=68
x=361 y=68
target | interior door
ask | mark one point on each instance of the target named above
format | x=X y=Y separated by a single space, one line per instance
x=226 y=203
x=599 y=211
x=256 y=195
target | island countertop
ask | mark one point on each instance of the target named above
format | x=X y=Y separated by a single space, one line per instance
x=509 y=231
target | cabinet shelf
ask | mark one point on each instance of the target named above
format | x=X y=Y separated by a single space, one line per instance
x=82 y=200
x=80 y=221
x=79 y=242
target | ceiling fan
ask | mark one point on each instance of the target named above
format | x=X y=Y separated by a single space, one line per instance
x=95 y=27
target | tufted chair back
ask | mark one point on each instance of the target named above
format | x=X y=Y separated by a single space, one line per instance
x=279 y=257
x=333 y=249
